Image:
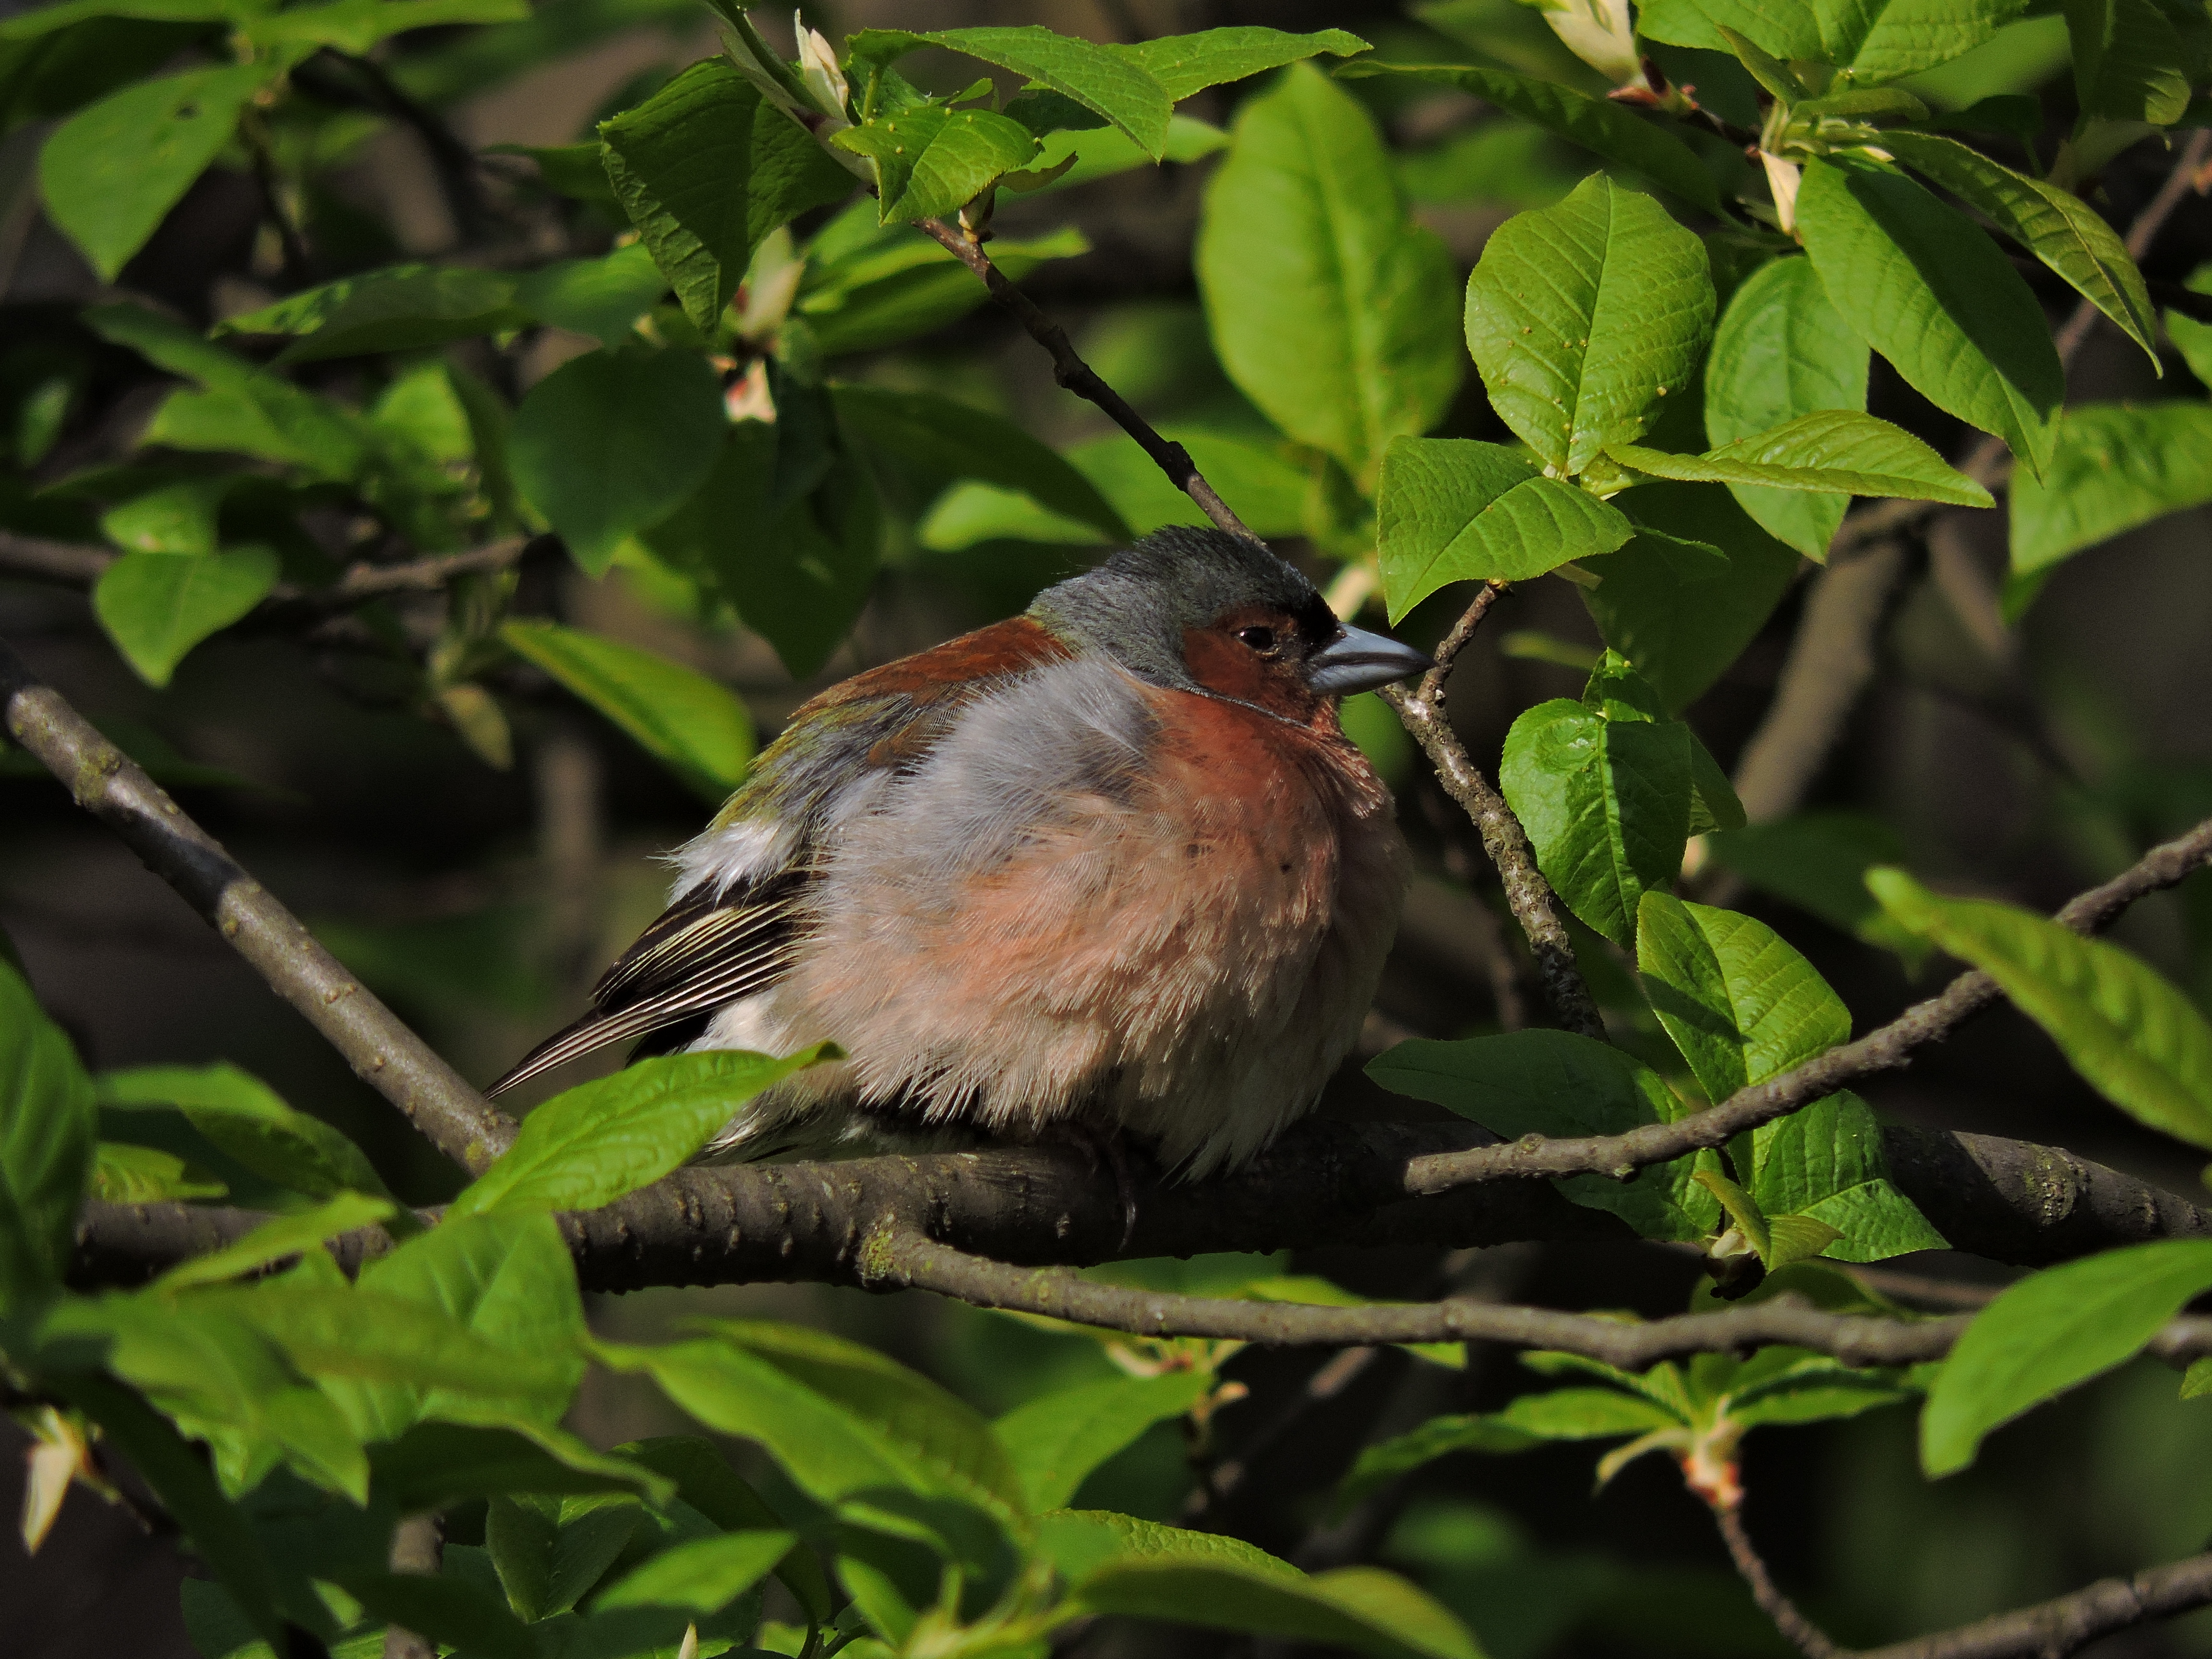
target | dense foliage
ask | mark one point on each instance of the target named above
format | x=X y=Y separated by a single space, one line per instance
x=669 y=356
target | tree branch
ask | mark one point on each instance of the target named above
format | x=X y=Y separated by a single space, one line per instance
x=1884 y=1049
x=1802 y=1634
x=1077 y=376
x=387 y=1055
x=2050 y=1629
x=1533 y=904
x=79 y=564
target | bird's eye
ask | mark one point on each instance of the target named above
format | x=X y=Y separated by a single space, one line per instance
x=1260 y=639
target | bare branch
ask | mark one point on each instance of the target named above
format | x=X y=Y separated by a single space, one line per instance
x=383 y=1052
x=1079 y=377
x=1802 y=1634
x=2054 y=1629
x=77 y=564
x=1886 y=1049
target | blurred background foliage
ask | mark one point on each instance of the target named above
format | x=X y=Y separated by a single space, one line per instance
x=477 y=873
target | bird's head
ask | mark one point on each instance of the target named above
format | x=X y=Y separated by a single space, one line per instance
x=1203 y=610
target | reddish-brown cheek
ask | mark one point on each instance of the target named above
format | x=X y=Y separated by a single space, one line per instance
x=1221 y=663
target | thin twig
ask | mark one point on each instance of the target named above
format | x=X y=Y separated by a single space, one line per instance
x=1891 y=1046
x=1802 y=1632
x=1077 y=376
x=387 y=1055
x=80 y=564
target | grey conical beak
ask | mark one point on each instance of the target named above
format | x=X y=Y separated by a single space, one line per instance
x=1357 y=660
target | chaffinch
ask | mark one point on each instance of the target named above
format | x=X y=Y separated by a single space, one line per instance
x=1111 y=866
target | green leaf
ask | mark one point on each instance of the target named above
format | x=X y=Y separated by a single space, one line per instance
x=2117 y=466
x=613 y=442
x=798 y=570
x=1691 y=589
x=1305 y=239
x=434 y=1466
x=1818 y=861
x=708 y=1484
x=124 y=1174
x=273 y=1241
x=1056 y=1440
x=2055 y=225
x=1380 y=1464
x=2139 y=1042
x=677 y=714
x=178 y=518
x=602 y=297
x=1583 y=316
x=1824 y=1164
x=949 y=440
x=1185 y=64
x=706 y=168
x=1923 y=287
x=401 y=309
x=591 y=1144
x=1109 y=83
x=112 y=172
x=2051 y=1331
x=1558 y=1084
x=47 y=1131
x=1449 y=509
x=1363 y=1608
x=2129 y=63
x=701 y=1577
x=157 y=606
x=354 y=25
x=1603 y=128
x=1869 y=40
x=1739 y=1001
x=550 y=1550
x=1782 y=350
x=932 y=161
x=840 y=1419
x=216 y=1529
x=508 y=1279
x=1831 y=449
x=242 y=1116
x=1605 y=804
x=448 y=1609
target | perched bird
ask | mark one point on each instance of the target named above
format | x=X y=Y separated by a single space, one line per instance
x=1108 y=866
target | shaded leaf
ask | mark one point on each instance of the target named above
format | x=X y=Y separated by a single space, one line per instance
x=550 y=1550
x=2129 y=63
x=433 y=1465
x=2055 y=225
x=676 y=713
x=611 y=443
x=1185 y=64
x=2115 y=467
x=46 y=1132
x=1604 y=128
x=1933 y=294
x=1818 y=861
x=701 y=1577
x=399 y=309
x=602 y=297
x=354 y=25
x=1057 y=1439
x=124 y=1174
x=242 y=1115
x=1690 y=590
x=1449 y=509
x=1581 y=317
x=1305 y=238
x=274 y=1240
